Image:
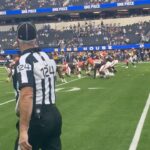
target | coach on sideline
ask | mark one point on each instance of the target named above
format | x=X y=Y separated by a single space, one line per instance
x=39 y=122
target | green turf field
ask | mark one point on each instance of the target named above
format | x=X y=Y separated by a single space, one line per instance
x=100 y=114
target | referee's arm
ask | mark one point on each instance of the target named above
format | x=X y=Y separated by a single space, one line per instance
x=25 y=108
x=25 y=79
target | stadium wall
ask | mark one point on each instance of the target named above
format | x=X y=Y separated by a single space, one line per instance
x=86 y=48
x=61 y=25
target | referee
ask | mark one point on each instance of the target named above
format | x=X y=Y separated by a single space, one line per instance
x=39 y=125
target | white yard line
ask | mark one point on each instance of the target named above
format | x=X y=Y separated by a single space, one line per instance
x=138 y=131
x=56 y=86
x=69 y=81
x=12 y=100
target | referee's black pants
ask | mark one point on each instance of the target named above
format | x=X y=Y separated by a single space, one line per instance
x=44 y=132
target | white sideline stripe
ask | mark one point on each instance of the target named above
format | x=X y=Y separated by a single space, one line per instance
x=7 y=102
x=56 y=86
x=69 y=82
x=136 y=138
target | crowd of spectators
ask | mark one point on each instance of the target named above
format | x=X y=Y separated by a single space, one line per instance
x=100 y=34
x=87 y=34
x=32 y=4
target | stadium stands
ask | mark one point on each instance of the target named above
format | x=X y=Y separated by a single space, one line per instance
x=31 y=4
x=87 y=34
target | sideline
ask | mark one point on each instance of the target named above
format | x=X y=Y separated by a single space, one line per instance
x=12 y=100
x=70 y=81
x=138 y=131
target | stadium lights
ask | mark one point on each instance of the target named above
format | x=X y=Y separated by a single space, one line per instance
x=50 y=15
x=146 y=8
x=74 y=14
x=124 y=10
x=97 y=12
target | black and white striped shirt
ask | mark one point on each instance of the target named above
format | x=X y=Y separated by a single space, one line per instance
x=35 y=69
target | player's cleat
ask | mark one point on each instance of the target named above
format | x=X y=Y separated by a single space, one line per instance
x=79 y=76
x=97 y=74
x=62 y=80
x=8 y=80
x=111 y=74
x=65 y=81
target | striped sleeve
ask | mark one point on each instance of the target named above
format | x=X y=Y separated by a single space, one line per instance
x=25 y=72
